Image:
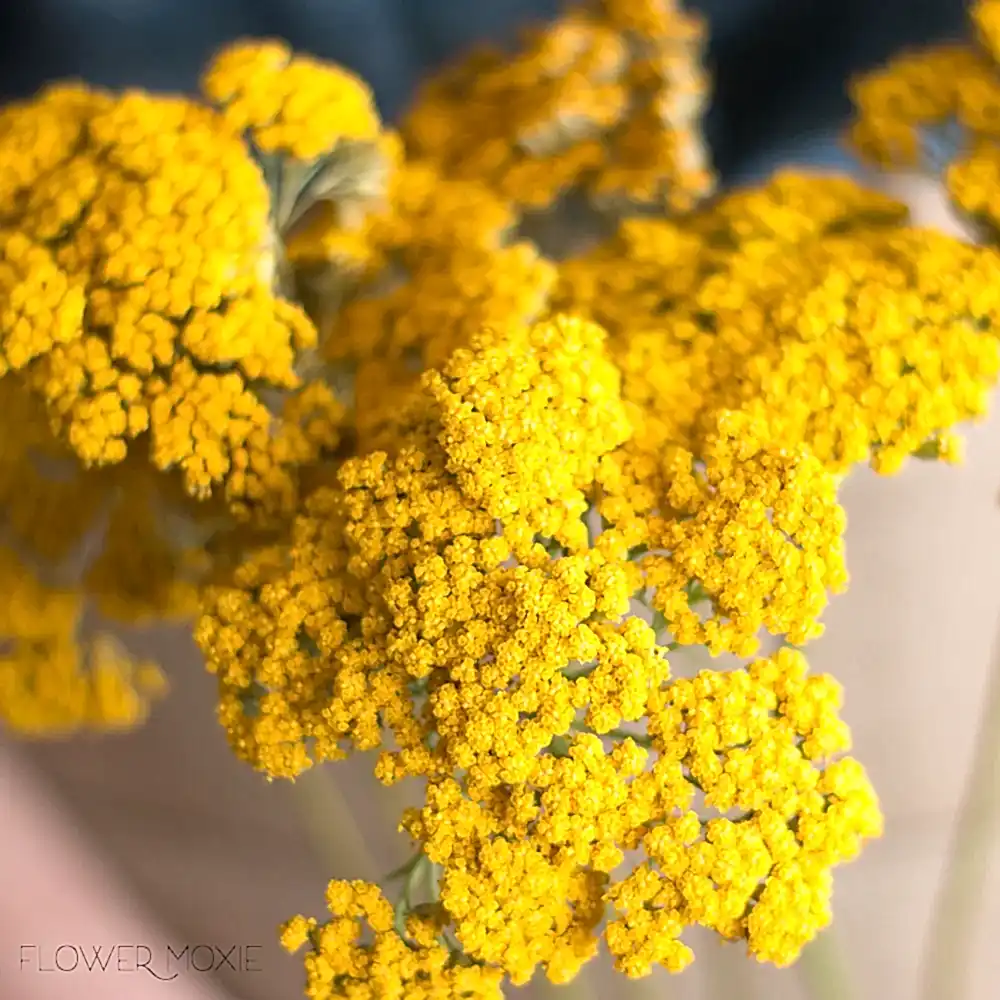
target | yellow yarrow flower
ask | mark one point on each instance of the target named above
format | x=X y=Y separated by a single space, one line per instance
x=289 y=104
x=151 y=369
x=359 y=953
x=870 y=343
x=152 y=241
x=51 y=684
x=419 y=529
x=605 y=100
x=526 y=872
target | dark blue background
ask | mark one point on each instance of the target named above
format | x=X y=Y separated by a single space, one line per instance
x=779 y=65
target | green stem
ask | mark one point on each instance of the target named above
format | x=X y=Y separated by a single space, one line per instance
x=640 y=739
x=957 y=913
x=824 y=969
x=329 y=823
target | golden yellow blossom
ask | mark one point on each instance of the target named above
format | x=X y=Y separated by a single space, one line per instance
x=359 y=953
x=399 y=572
x=148 y=360
x=526 y=872
x=752 y=527
x=138 y=272
x=606 y=98
x=289 y=104
x=51 y=683
x=870 y=342
x=525 y=417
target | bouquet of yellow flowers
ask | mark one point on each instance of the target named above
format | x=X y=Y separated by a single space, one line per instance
x=448 y=440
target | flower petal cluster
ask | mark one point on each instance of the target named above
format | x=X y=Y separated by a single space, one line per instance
x=289 y=104
x=607 y=99
x=870 y=342
x=424 y=562
x=752 y=527
x=938 y=109
x=361 y=954
x=150 y=368
x=466 y=601
x=137 y=268
x=533 y=874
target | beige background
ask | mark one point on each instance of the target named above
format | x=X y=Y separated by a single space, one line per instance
x=219 y=855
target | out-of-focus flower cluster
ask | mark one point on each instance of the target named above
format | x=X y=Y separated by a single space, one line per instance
x=443 y=494
x=607 y=100
x=938 y=110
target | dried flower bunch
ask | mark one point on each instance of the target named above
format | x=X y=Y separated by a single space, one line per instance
x=441 y=497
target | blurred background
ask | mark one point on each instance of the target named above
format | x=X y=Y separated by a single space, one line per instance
x=779 y=65
x=199 y=849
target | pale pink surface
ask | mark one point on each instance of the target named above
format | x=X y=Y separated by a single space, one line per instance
x=56 y=889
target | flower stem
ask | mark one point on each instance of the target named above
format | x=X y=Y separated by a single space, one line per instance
x=824 y=969
x=956 y=916
x=329 y=823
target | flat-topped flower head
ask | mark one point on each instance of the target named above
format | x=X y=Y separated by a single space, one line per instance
x=403 y=569
x=148 y=245
x=870 y=342
x=527 y=873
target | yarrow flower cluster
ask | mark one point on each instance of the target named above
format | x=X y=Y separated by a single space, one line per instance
x=438 y=492
x=492 y=592
x=938 y=109
x=148 y=352
x=606 y=100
